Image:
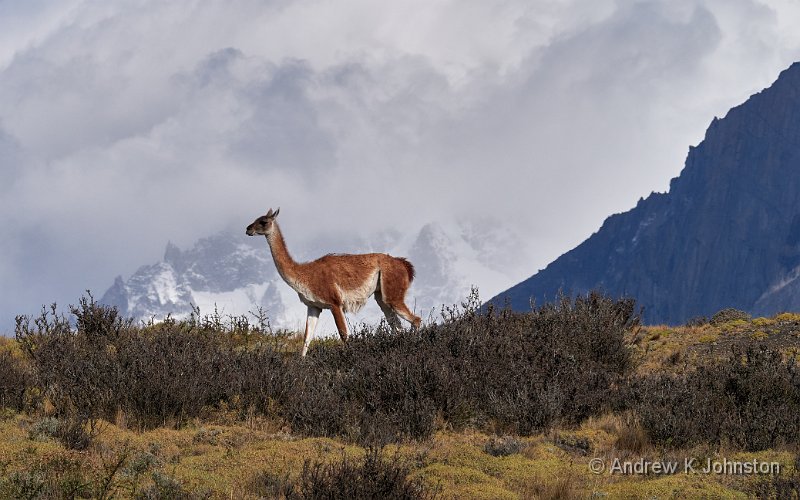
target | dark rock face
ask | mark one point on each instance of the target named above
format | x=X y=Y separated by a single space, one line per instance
x=727 y=234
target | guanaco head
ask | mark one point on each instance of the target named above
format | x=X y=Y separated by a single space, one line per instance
x=263 y=225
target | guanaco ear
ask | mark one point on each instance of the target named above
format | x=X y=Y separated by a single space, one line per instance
x=269 y=214
x=276 y=212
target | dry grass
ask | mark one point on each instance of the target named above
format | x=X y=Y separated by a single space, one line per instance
x=661 y=348
x=234 y=461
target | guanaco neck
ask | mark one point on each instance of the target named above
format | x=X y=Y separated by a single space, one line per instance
x=283 y=261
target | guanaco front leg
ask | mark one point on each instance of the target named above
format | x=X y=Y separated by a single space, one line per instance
x=311 y=325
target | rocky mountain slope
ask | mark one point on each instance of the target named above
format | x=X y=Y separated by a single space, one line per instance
x=727 y=234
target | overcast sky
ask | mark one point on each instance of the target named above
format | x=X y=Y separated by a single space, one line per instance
x=127 y=124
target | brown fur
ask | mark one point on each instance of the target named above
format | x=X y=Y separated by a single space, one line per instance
x=338 y=281
x=409 y=268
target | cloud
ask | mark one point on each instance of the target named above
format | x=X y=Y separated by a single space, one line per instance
x=126 y=125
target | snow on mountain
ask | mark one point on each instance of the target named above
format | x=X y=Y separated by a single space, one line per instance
x=235 y=274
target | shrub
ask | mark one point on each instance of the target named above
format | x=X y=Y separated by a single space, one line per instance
x=76 y=433
x=573 y=444
x=696 y=321
x=783 y=485
x=165 y=486
x=503 y=446
x=727 y=315
x=170 y=372
x=265 y=378
x=515 y=372
x=15 y=380
x=73 y=433
x=511 y=372
x=55 y=477
x=371 y=477
x=155 y=374
x=44 y=428
x=762 y=322
x=75 y=370
x=375 y=389
x=269 y=484
x=751 y=399
x=788 y=317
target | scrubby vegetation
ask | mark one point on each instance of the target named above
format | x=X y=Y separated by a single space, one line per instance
x=727 y=315
x=14 y=380
x=749 y=399
x=373 y=476
x=579 y=371
x=506 y=372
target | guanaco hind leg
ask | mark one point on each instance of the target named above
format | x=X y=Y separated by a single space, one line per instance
x=402 y=309
x=392 y=288
x=391 y=316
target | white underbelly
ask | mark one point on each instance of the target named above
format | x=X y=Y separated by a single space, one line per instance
x=353 y=300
